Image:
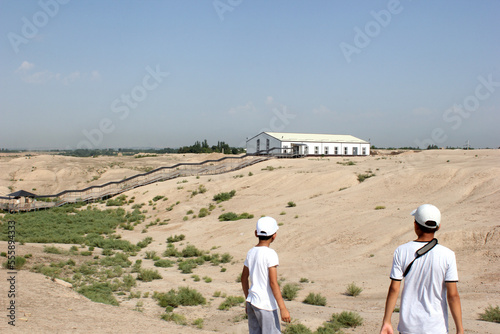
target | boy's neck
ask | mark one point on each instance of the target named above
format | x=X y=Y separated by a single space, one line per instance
x=425 y=237
x=264 y=243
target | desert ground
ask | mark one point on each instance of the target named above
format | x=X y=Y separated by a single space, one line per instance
x=332 y=237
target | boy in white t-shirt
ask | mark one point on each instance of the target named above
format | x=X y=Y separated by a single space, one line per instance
x=263 y=298
x=430 y=281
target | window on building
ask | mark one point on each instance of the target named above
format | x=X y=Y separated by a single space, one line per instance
x=267 y=144
x=364 y=150
x=354 y=151
x=346 y=151
x=336 y=150
x=285 y=149
x=316 y=149
x=326 y=150
x=258 y=145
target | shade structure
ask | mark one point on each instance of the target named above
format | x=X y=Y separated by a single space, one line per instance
x=21 y=193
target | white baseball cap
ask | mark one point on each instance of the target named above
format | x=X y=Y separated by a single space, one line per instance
x=427 y=213
x=266 y=226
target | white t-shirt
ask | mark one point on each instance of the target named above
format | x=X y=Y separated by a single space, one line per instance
x=258 y=261
x=424 y=308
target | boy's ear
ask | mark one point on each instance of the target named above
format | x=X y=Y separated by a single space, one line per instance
x=256 y=234
x=274 y=236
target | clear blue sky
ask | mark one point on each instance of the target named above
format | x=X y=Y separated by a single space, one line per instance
x=167 y=73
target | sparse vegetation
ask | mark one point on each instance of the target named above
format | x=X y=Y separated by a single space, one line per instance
x=315 y=299
x=148 y=275
x=176 y=238
x=184 y=296
x=229 y=216
x=230 y=302
x=379 y=207
x=290 y=290
x=296 y=329
x=491 y=314
x=347 y=319
x=362 y=177
x=221 y=197
x=291 y=204
x=353 y=290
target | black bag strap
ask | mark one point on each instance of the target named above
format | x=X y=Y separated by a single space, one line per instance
x=421 y=251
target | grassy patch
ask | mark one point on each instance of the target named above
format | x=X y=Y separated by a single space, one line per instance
x=148 y=275
x=379 y=207
x=491 y=314
x=184 y=296
x=296 y=329
x=290 y=290
x=99 y=293
x=231 y=216
x=347 y=319
x=353 y=290
x=315 y=299
x=231 y=301
x=221 y=197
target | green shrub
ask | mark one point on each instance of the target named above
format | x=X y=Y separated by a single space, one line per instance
x=164 y=263
x=150 y=255
x=176 y=238
x=230 y=302
x=289 y=291
x=221 y=197
x=491 y=314
x=203 y=212
x=119 y=201
x=15 y=263
x=291 y=204
x=52 y=250
x=315 y=299
x=347 y=319
x=198 y=323
x=207 y=279
x=179 y=319
x=157 y=198
x=304 y=280
x=329 y=328
x=184 y=296
x=120 y=259
x=99 y=293
x=191 y=251
x=353 y=290
x=186 y=267
x=296 y=329
x=379 y=207
x=145 y=242
x=171 y=251
x=362 y=177
x=231 y=216
x=148 y=275
x=226 y=258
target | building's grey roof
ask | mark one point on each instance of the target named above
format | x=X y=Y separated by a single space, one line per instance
x=313 y=137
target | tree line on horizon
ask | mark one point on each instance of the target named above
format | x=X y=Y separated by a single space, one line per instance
x=197 y=147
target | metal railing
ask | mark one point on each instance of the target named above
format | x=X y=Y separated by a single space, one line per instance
x=93 y=193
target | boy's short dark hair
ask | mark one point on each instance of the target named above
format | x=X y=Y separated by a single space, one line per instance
x=265 y=237
x=426 y=229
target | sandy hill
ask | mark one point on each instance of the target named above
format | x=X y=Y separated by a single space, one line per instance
x=333 y=236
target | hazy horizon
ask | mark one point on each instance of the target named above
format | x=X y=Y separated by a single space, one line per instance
x=163 y=74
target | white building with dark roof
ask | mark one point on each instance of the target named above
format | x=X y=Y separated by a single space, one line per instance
x=306 y=144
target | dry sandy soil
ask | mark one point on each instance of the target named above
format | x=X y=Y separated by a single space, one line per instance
x=334 y=235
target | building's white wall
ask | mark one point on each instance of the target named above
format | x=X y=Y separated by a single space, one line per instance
x=310 y=148
x=263 y=137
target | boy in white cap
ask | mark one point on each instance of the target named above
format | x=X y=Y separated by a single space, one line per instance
x=430 y=273
x=264 y=296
